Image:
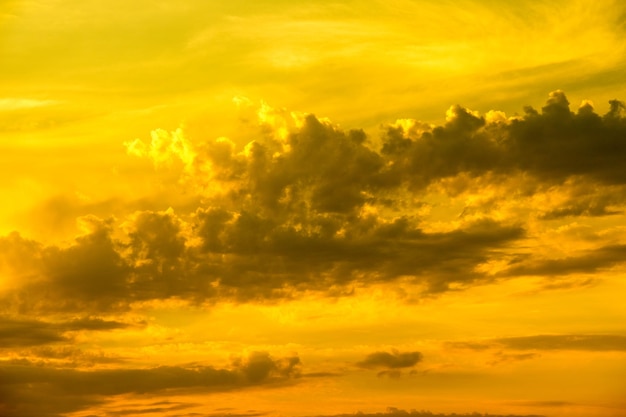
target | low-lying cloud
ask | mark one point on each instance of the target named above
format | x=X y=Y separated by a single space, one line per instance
x=581 y=342
x=24 y=332
x=29 y=390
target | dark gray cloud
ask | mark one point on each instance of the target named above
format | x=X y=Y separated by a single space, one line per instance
x=586 y=262
x=246 y=256
x=584 y=342
x=14 y=333
x=552 y=145
x=331 y=169
x=391 y=360
x=24 y=332
x=90 y=323
x=70 y=356
x=368 y=250
x=27 y=389
x=320 y=209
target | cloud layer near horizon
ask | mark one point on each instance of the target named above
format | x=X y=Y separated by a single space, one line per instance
x=31 y=390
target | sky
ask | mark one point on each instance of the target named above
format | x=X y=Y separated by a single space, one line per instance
x=399 y=208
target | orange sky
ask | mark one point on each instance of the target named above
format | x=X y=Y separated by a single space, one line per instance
x=312 y=209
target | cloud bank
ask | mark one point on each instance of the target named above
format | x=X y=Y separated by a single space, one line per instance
x=30 y=390
x=307 y=206
x=549 y=342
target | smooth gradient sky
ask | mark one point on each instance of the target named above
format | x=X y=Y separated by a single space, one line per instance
x=312 y=208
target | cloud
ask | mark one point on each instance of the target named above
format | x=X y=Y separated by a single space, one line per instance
x=581 y=342
x=396 y=412
x=553 y=403
x=67 y=355
x=156 y=407
x=393 y=360
x=595 y=343
x=93 y=324
x=552 y=145
x=583 y=198
x=501 y=357
x=29 y=389
x=219 y=253
x=25 y=332
x=28 y=333
x=259 y=366
x=308 y=206
x=586 y=262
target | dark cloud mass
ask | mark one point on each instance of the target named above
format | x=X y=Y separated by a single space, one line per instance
x=582 y=342
x=28 y=333
x=22 y=332
x=393 y=360
x=552 y=145
x=318 y=208
x=588 y=261
x=30 y=390
x=253 y=257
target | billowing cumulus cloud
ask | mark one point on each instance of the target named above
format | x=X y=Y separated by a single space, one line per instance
x=308 y=206
x=553 y=145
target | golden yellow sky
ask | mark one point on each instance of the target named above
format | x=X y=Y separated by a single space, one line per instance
x=313 y=208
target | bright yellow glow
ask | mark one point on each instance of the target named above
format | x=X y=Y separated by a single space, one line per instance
x=232 y=208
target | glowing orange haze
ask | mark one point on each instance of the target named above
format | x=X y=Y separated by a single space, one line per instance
x=175 y=242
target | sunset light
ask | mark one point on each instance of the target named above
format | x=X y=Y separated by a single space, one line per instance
x=399 y=208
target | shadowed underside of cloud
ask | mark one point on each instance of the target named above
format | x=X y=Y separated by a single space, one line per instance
x=31 y=390
x=21 y=333
x=586 y=262
x=257 y=259
x=307 y=206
